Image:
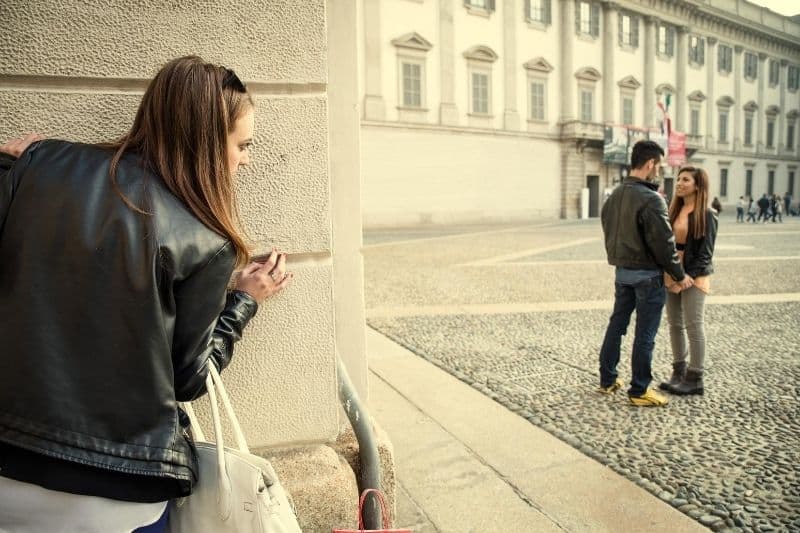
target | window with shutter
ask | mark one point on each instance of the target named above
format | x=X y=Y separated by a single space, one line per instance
x=538 y=10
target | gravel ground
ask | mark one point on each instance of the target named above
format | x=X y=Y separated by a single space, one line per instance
x=730 y=459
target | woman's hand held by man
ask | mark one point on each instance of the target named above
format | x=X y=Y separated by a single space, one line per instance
x=263 y=280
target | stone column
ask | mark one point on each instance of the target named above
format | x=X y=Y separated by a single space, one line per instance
x=568 y=84
x=711 y=71
x=737 y=96
x=782 y=77
x=761 y=122
x=374 y=106
x=510 y=114
x=448 y=112
x=650 y=24
x=681 y=59
x=610 y=14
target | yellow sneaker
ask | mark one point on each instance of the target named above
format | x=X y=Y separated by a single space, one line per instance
x=611 y=389
x=650 y=398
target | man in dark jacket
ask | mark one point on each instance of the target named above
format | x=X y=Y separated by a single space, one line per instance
x=640 y=244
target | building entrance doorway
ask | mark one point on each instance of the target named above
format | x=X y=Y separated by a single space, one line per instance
x=593 y=184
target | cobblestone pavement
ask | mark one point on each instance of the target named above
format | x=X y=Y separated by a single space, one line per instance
x=519 y=314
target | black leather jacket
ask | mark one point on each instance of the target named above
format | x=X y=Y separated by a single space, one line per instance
x=107 y=316
x=698 y=252
x=637 y=231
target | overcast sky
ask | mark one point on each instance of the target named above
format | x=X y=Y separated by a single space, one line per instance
x=784 y=7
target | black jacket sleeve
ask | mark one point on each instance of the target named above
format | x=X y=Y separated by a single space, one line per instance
x=207 y=323
x=659 y=238
x=7 y=185
x=703 y=251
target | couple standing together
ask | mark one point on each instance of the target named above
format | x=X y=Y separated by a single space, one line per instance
x=661 y=256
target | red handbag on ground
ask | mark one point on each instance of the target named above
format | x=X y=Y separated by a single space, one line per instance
x=379 y=495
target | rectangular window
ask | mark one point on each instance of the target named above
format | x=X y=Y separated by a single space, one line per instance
x=774 y=72
x=480 y=93
x=587 y=18
x=485 y=4
x=790 y=137
x=723 y=127
x=770 y=133
x=697 y=50
x=695 y=122
x=771 y=182
x=627 y=111
x=629 y=30
x=666 y=40
x=793 y=78
x=748 y=182
x=586 y=105
x=748 y=130
x=724 y=58
x=539 y=11
x=537 y=100
x=791 y=182
x=723 y=182
x=412 y=85
x=750 y=66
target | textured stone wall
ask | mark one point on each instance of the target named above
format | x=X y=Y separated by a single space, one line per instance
x=76 y=70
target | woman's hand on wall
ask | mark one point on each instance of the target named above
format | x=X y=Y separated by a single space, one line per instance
x=262 y=280
x=16 y=146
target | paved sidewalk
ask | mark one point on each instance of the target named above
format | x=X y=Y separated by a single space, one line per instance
x=465 y=463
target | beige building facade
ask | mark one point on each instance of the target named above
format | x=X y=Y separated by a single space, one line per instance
x=476 y=110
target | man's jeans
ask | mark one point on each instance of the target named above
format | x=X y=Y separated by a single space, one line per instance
x=647 y=296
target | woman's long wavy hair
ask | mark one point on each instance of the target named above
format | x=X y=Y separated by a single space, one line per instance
x=181 y=132
x=697 y=218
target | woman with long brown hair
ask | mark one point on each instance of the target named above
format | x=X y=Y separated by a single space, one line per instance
x=694 y=224
x=114 y=264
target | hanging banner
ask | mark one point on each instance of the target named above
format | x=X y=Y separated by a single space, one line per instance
x=677 y=149
x=634 y=136
x=615 y=145
x=660 y=139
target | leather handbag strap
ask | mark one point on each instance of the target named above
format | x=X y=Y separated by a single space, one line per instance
x=216 y=389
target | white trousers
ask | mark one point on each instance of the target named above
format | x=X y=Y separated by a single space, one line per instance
x=28 y=508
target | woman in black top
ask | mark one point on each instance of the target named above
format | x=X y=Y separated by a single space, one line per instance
x=114 y=263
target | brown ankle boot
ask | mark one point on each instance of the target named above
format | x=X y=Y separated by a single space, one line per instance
x=691 y=384
x=678 y=372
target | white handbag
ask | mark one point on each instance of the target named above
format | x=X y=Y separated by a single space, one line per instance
x=236 y=490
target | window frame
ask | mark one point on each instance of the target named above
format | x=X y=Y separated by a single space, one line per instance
x=697 y=53
x=546 y=13
x=694 y=120
x=774 y=78
x=722 y=113
x=748 y=181
x=414 y=62
x=724 y=59
x=632 y=42
x=592 y=31
x=668 y=48
x=487 y=73
x=627 y=97
x=750 y=66
x=792 y=78
x=584 y=90
x=769 y=134
x=724 y=172
x=536 y=80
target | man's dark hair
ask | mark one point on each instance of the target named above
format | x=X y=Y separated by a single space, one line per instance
x=644 y=151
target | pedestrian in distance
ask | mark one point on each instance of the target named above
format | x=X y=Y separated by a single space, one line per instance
x=787 y=201
x=740 y=205
x=777 y=208
x=715 y=203
x=763 y=208
x=695 y=227
x=640 y=244
x=752 y=209
x=114 y=264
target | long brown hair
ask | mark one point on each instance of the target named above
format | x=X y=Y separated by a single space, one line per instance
x=181 y=132
x=697 y=218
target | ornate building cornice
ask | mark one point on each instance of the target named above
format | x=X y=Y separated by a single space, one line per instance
x=726 y=25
